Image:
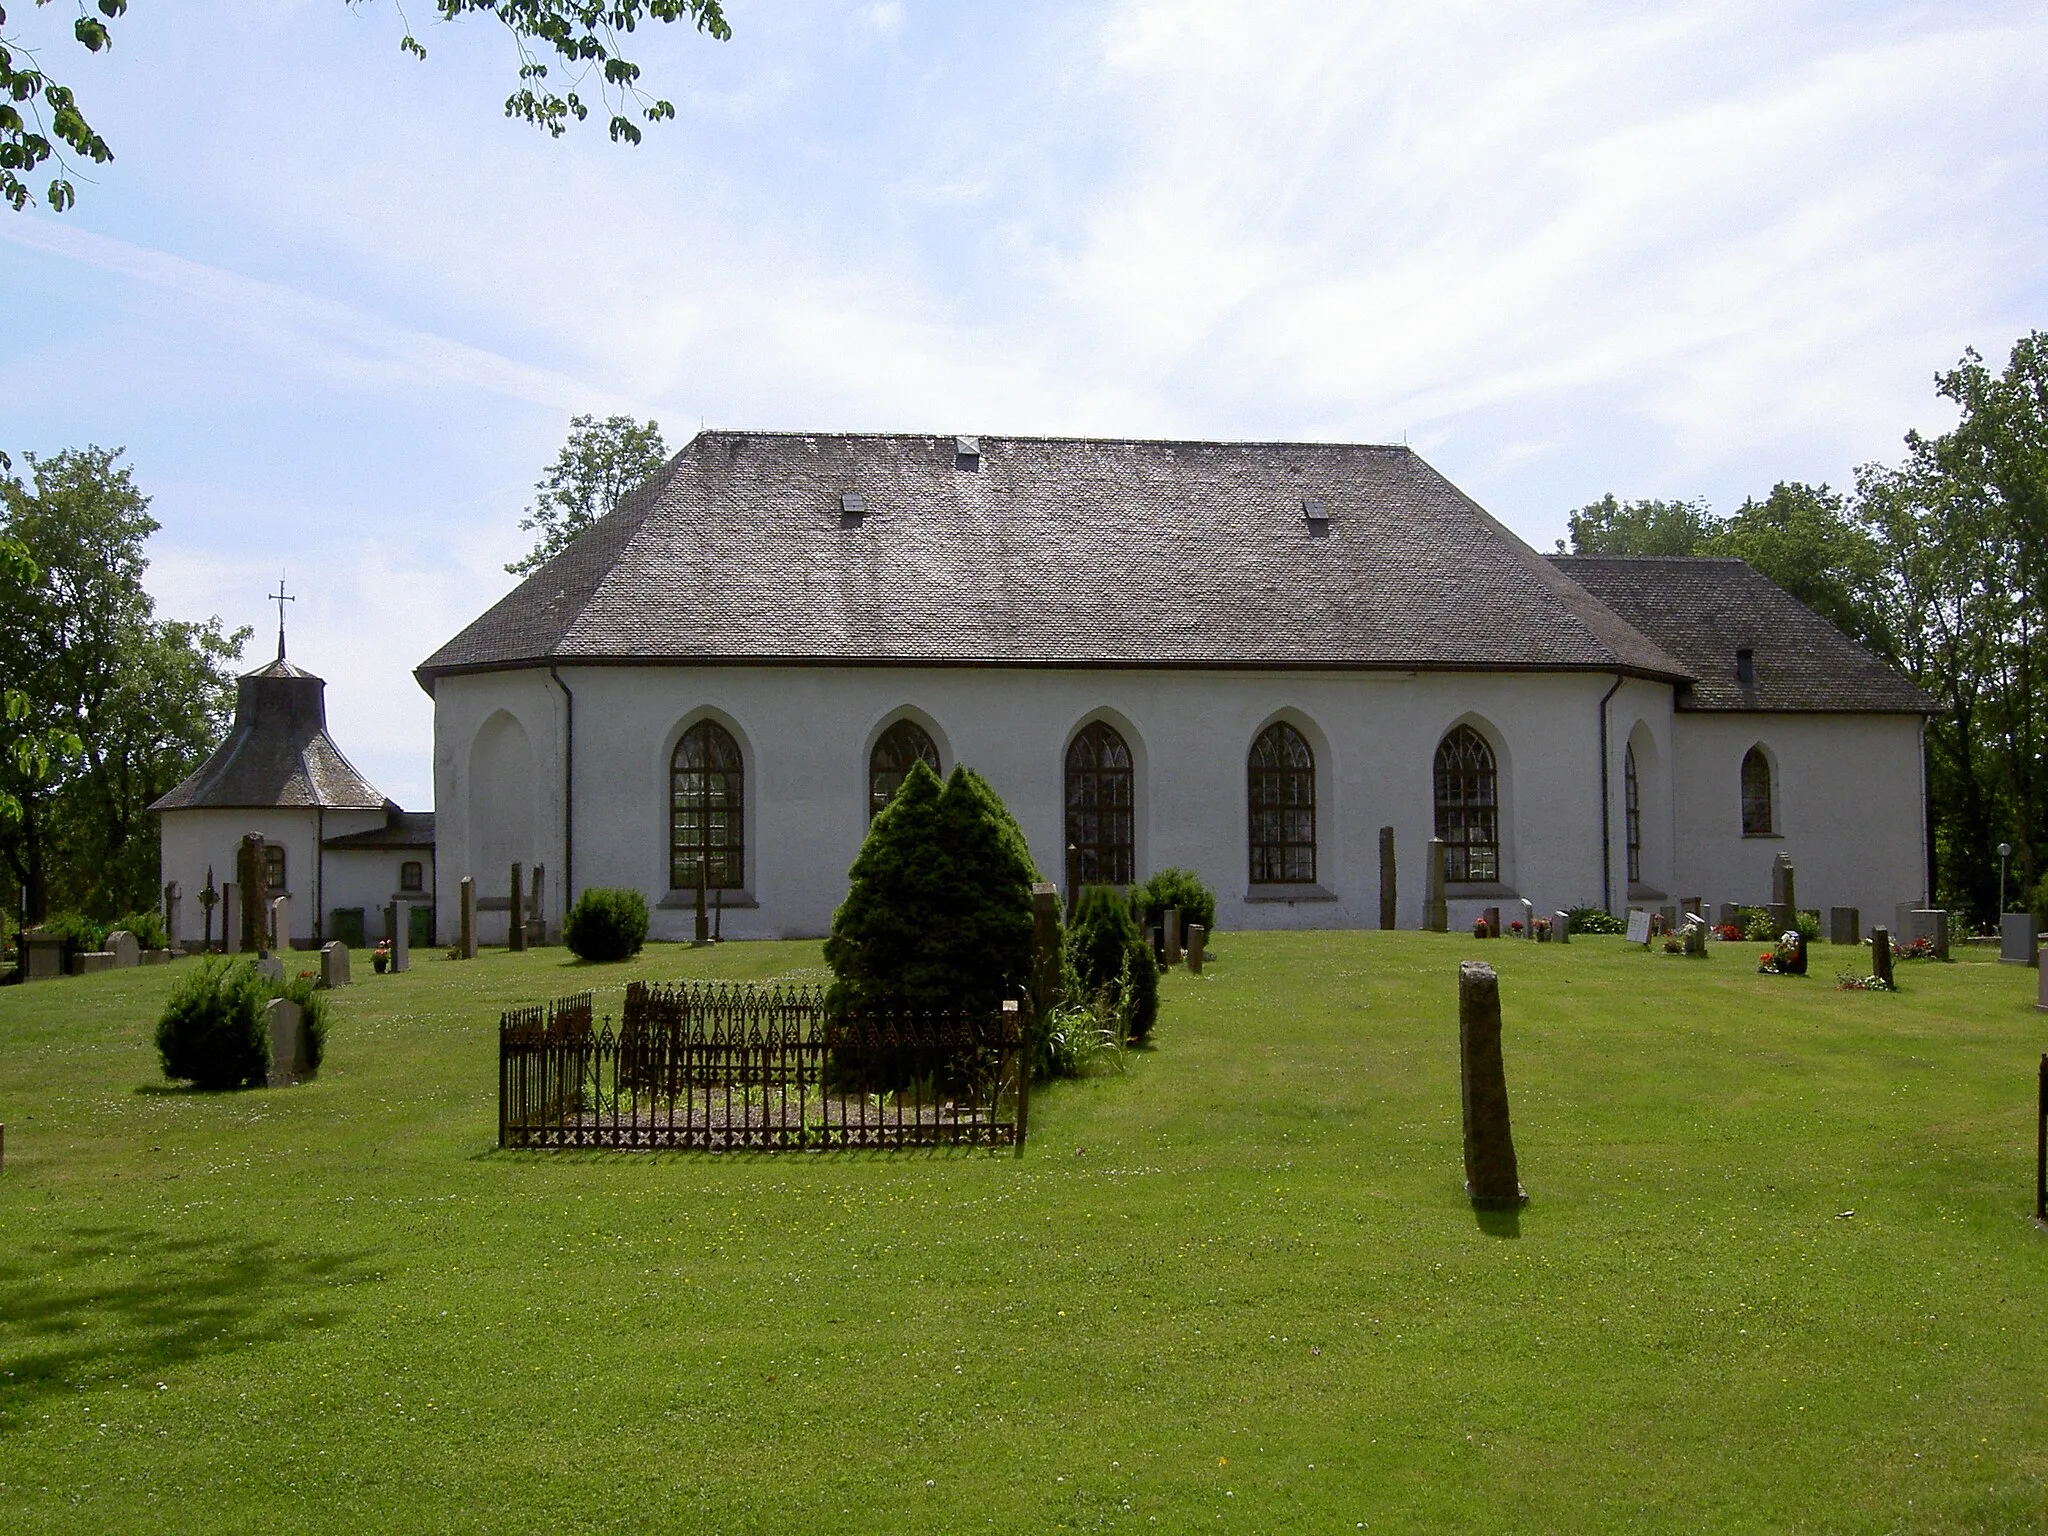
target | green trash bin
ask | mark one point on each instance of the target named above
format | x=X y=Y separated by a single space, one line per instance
x=422 y=935
x=348 y=927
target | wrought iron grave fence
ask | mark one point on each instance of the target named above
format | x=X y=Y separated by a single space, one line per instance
x=719 y=1067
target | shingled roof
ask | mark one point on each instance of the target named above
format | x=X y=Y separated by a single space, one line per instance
x=1048 y=552
x=1702 y=610
x=278 y=754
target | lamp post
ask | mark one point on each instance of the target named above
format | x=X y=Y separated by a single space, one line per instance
x=2004 y=853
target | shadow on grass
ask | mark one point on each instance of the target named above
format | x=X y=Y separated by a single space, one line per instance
x=1499 y=1221
x=66 y=1323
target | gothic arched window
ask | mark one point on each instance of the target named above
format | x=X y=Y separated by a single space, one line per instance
x=904 y=743
x=706 y=822
x=1281 y=783
x=1101 y=848
x=1468 y=807
x=1756 y=794
x=1632 y=813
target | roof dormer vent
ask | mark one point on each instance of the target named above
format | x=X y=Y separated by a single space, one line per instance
x=967 y=454
x=852 y=506
x=1316 y=513
x=1745 y=667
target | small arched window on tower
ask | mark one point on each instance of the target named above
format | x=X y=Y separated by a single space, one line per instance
x=1632 y=814
x=1756 y=794
x=904 y=743
x=273 y=868
x=707 y=826
x=1101 y=845
x=1281 y=780
x=1468 y=807
x=412 y=877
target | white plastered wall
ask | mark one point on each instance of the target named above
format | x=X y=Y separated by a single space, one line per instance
x=368 y=878
x=1848 y=807
x=804 y=733
x=195 y=840
x=463 y=721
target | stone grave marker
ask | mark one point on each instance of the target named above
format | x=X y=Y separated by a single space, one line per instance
x=1639 y=926
x=174 y=901
x=46 y=959
x=1492 y=916
x=2019 y=939
x=1691 y=906
x=466 y=942
x=1198 y=936
x=2041 y=990
x=1387 y=882
x=1172 y=936
x=1694 y=935
x=157 y=956
x=401 y=933
x=125 y=948
x=270 y=966
x=1784 y=905
x=286 y=1022
x=1670 y=916
x=1045 y=947
x=516 y=921
x=1731 y=914
x=1931 y=923
x=1436 y=913
x=1881 y=955
x=280 y=922
x=252 y=870
x=1845 y=925
x=334 y=964
x=1528 y=918
x=1491 y=1177
x=91 y=962
x=1561 y=927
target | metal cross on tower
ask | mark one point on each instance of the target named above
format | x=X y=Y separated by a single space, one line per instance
x=280 y=598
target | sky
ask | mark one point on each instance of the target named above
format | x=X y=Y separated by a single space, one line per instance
x=339 y=310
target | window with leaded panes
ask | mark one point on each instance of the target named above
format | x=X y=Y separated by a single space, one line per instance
x=904 y=743
x=1281 y=785
x=1468 y=807
x=1101 y=840
x=706 y=819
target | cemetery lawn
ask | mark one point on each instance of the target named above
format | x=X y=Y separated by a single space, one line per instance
x=1778 y=1272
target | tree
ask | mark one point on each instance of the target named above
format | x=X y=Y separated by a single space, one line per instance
x=1807 y=540
x=600 y=465
x=584 y=38
x=133 y=702
x=1611 y=527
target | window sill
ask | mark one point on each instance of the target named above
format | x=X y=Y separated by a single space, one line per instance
x=1765 y=837
x=1289 y=893
x=1470 y=890
x=1637 y=891
x=686 y=901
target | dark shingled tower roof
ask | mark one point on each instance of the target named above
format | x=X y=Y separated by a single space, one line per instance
x=278 y=754
x=796 y=548
x=1704 y=610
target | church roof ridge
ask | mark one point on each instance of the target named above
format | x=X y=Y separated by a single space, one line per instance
x=277 y=754
x=787 y=548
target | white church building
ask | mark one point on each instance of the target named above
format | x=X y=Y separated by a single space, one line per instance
x=1245 y=659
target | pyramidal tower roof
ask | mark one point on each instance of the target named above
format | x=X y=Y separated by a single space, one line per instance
x=278 y=754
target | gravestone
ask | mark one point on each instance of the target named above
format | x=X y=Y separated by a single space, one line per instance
x=1436 y=913
x=1198 y=936
x=1881 y=955
x=1387 y=883
x=2019 y=939
x=1695 y=935
x=1639 y=926
x=1845 y=925
x=1691 y=906
x=251 y=871
x=270 y=966
x=286 y=1022
x=1731 y=914
x=47 y=958
x=334 y=964
x=2041 y=991
x=125 y=948
x=1172 y=936
x=1931 y=923
x=1491 y=1177
x=157 y=956
x=1561 y=927
x=536 y=918
x=466 y=944
x=1783 y=885
x=1797 y=965
x=1528 y=918
x=1492 y=916
x=401 y=934
x=1046 y=994
x=91 y=962
x=1670 y=916
x=174 y=903
x=1783 y=918
x=280 y=923
x=515 y=928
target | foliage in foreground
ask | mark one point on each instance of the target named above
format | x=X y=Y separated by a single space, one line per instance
x=1111 y=957
x=1170 y=887
x=212 y=1032
x=606 y=924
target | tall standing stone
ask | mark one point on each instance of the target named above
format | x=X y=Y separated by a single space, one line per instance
x=251 y=876
x=1388 y=885
x=1931 y=924
x=1491 y=1178
x=2019 y=939
x=173 y=913
x=334 y=964
x=1198 y=939
x=401 y=936
x=1436 y=912
x=1784 y=895
x=279 y=923
x=516 y=920
x=1561 y=927
x=286 y=1022
x=1881 y=955
x=1046 y=992
x=703 y=931
x=466 y=943
x=1845 y=925
x=536 y=908
x=1172 y=936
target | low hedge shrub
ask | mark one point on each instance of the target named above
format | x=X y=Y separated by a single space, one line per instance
x=212 y=1031
x=148 y=928
x=1181 y=888
x=1109 y=953
x=606 y=925
x=1595 y=920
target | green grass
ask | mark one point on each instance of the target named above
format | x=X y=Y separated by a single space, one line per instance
x=1236 y=1288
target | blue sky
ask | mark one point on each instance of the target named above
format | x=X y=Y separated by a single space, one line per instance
x=339 y=310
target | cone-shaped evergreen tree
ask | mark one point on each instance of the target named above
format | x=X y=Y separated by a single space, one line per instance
x=986 y=937
x=883 y=950
x=1105 y=946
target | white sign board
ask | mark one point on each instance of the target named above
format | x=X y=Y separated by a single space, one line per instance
x=1638 y=926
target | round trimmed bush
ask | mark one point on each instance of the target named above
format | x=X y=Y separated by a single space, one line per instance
x=1108 y=952
x=1181 y=888
x=148 y=928
x=212 y=1031
x=606 y=925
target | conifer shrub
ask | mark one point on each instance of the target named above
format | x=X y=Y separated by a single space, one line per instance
x=1108 y=953
x=1181 y=888
x=212 y=1030
x=606 y=924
